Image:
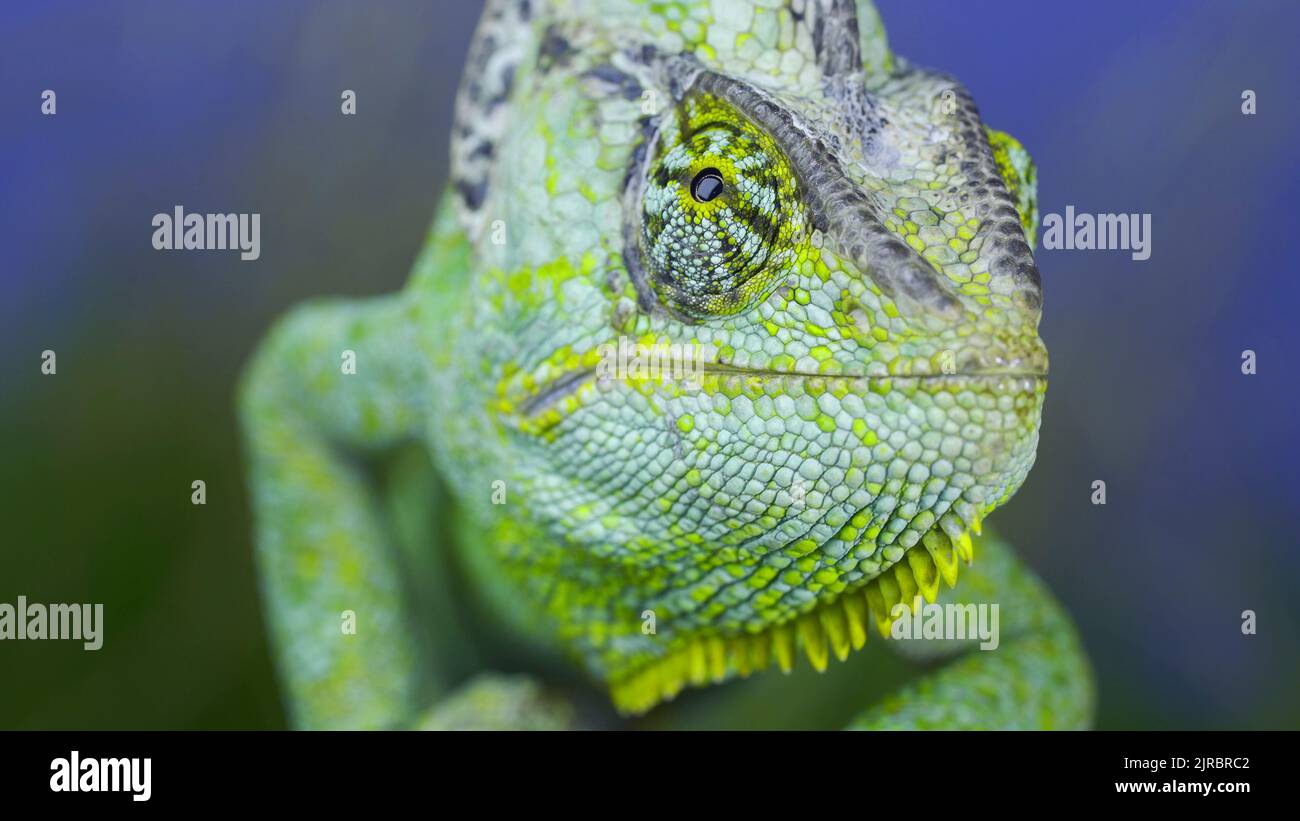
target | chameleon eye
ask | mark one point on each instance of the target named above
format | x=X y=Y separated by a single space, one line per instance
x=722 y=220
x=706 y=185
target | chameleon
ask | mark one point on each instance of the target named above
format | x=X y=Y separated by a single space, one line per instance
x=465 y=518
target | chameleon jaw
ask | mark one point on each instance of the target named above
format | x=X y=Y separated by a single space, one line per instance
x=834 y=627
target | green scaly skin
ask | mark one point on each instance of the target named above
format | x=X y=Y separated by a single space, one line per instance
x=858 y=273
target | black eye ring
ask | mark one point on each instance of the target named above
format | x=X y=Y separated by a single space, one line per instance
x=707 y=185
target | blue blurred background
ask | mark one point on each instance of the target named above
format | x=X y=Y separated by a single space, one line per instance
x=1126 y=107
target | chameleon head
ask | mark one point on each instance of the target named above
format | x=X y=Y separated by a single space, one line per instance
x=770 y=381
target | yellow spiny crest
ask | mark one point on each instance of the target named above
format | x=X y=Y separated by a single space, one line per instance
x=833 y=627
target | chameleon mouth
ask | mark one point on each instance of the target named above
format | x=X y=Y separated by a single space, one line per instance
x=835 y=627
x=569 y=385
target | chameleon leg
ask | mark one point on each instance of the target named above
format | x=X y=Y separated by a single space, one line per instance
x=1037 y=677
x=326 y=561
x=497 y=702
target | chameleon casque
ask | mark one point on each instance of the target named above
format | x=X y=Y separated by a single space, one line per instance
x=848 y=245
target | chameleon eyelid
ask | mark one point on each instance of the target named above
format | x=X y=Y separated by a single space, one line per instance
x=838 y=208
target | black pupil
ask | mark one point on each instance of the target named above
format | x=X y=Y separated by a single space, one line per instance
x=706 y=185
